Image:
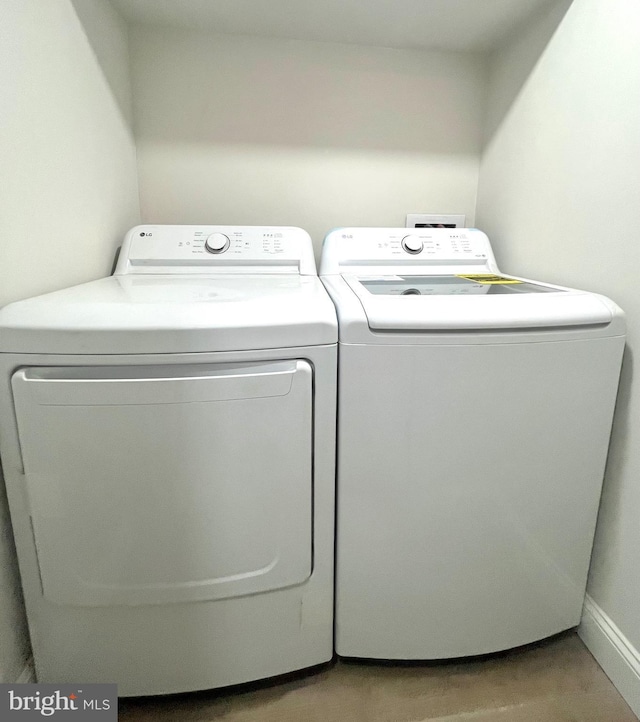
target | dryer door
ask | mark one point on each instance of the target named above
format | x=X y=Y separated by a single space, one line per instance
x=150 y=485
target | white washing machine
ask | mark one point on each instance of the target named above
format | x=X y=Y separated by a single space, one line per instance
x=168 y=444
x=474 y=417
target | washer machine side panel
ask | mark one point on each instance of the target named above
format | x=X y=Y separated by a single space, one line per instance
x=469 y=479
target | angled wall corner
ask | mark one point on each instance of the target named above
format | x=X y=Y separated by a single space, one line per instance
x=68 y=186
x=558 y=192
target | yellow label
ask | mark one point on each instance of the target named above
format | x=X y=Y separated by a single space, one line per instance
x=487 y=278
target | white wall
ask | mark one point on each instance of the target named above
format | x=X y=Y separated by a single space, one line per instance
x=233 y=129
x=68 y=183
x=68 y=187
x=560 y=194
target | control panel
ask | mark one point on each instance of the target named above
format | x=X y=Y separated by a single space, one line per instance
x=229 y=249
x=348 y=247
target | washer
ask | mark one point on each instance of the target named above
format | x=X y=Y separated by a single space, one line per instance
x=168 y=441
x=474 y=418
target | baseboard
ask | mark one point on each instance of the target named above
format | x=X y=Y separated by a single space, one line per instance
x=27 y=675
x=615 y=654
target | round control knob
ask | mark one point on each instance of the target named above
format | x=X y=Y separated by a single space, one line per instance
x=412 y=244
x=217 y=243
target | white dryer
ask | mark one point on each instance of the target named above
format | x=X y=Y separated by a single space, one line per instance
x=474 y=418
x=167 y=438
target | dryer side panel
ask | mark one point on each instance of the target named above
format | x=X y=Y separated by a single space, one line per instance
x=154 y=485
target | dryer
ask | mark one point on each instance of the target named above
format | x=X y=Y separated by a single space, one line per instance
x=167 y=437
x=474 y=418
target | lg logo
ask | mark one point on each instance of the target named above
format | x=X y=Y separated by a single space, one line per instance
x=146 y=234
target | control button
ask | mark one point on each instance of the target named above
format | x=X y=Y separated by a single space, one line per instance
x=412 y=244
x=217 y=243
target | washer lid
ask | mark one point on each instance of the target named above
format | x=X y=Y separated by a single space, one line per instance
x=172 y=314
x=487 y=301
